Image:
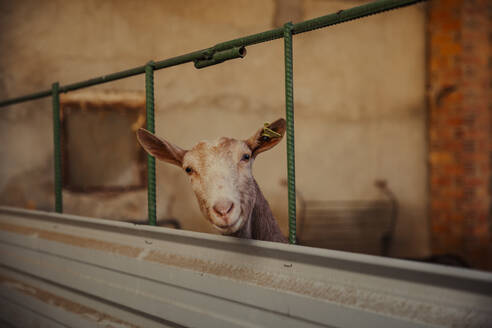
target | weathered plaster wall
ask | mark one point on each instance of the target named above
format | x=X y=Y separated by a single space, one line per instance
x=359 y=97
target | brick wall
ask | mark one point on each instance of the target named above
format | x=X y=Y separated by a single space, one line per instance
x=460 y=129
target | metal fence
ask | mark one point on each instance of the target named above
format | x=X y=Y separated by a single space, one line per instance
x=203 y=58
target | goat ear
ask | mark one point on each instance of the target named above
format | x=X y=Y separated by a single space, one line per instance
x=264 y=139
x=159 y=148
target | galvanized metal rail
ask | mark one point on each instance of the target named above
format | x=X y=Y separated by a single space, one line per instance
x=207 y=57
x=70 y=271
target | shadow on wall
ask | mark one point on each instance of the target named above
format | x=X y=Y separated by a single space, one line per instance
x=362 y=226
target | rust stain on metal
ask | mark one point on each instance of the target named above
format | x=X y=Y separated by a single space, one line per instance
x=65 y=304
x=91 y=243
x=248 y=274
x=341 y=294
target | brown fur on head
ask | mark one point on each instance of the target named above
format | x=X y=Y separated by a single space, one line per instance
x=220 y=172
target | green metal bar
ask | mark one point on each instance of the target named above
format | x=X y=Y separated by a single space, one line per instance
x=320 y=22
x=342 y=16
x=187 y=58
x=32 y=96
x=251 y=39
x=289 y=116
x=104 y=79
x=149 y=109
x=112 y=77
x=309 y=25
x=57 y=147
x=190 y=57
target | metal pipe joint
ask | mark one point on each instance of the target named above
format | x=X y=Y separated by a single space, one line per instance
x=221 y=56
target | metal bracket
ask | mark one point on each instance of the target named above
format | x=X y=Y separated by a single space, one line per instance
x=218 y=57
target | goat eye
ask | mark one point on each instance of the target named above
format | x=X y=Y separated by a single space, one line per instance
x=189 y=170
x=245 y=157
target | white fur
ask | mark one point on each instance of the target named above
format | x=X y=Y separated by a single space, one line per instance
x=218 y=173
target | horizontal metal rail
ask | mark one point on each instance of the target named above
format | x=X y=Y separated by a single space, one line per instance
x=65 y=267
x=306 y=26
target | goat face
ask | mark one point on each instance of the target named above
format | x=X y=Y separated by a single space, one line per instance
x=222 y=180
x=220 y=172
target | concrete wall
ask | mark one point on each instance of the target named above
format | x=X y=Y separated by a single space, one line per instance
x=359 y=97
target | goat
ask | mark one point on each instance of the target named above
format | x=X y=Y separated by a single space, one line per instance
x=221 y=177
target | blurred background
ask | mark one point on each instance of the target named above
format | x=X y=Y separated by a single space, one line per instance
x=392 y=116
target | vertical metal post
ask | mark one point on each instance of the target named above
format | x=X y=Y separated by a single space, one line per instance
x=289 y=115
x=149 y=109
x=55 y=91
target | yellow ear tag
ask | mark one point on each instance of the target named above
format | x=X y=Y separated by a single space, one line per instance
x=269 y=133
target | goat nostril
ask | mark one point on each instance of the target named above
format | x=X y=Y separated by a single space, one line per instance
x=223 y=207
